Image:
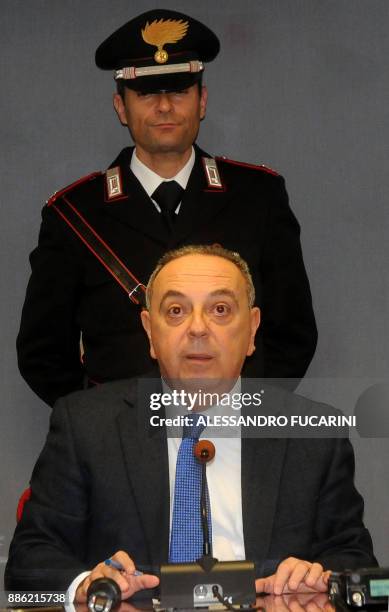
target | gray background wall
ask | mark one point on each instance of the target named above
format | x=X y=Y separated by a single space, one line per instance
x=301 y=85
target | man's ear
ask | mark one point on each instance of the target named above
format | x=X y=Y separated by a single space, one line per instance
x=146 y=322
x=118 y=104
x=255 y=319
x=203 y=101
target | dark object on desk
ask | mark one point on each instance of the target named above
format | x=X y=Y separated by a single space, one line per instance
x=189 y=585
x=362 y=587
x=103 y=595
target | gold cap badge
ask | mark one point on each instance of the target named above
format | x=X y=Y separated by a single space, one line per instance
x=161 y=32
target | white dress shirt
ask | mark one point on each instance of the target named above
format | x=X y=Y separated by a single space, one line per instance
x=150 y=180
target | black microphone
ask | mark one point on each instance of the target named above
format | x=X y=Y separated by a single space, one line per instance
x=103 y=595
x=204 y=451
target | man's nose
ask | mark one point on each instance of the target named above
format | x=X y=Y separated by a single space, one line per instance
x=164 y=103
x=197 y=324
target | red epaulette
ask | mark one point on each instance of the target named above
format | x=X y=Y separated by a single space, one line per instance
x=254 y=166
x=61 y=192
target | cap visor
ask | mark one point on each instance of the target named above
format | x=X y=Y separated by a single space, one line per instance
x=163 y=83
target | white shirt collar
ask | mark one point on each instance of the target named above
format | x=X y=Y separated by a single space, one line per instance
x=150 y=180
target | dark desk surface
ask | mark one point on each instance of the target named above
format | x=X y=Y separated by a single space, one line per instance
x=302 y=602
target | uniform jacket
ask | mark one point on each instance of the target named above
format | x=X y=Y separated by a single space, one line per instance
x=101 y=484
x=69 y=290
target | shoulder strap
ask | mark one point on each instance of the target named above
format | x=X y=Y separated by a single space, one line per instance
x=245 y=165
x=99 y=248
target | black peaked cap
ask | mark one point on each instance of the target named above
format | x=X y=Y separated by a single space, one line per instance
x=126 y=47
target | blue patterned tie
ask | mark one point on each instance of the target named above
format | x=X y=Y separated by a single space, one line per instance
x=186 y=539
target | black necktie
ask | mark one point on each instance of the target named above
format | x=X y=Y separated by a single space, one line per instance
x=168 y=196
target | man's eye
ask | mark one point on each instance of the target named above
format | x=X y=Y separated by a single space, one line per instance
x=174 y=311
x=221 y=309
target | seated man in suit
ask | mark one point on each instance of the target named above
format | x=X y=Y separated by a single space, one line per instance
x=100 y=488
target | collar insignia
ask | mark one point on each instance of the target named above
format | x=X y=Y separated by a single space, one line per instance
x=212 y=173
x=113 y=181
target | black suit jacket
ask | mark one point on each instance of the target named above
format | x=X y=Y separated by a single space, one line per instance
x=101 y=485
x=69 y=290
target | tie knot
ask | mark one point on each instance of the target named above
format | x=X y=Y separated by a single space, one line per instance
x=168 y=196
x=195 y=430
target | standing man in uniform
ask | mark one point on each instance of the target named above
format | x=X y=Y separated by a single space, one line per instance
x=101 y=237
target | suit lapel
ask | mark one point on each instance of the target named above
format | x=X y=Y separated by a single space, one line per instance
x=200 y=202
x=134 y=207
x=146 y=460
x=262 y=463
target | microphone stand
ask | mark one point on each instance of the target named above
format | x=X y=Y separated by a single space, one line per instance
x=201 y=584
